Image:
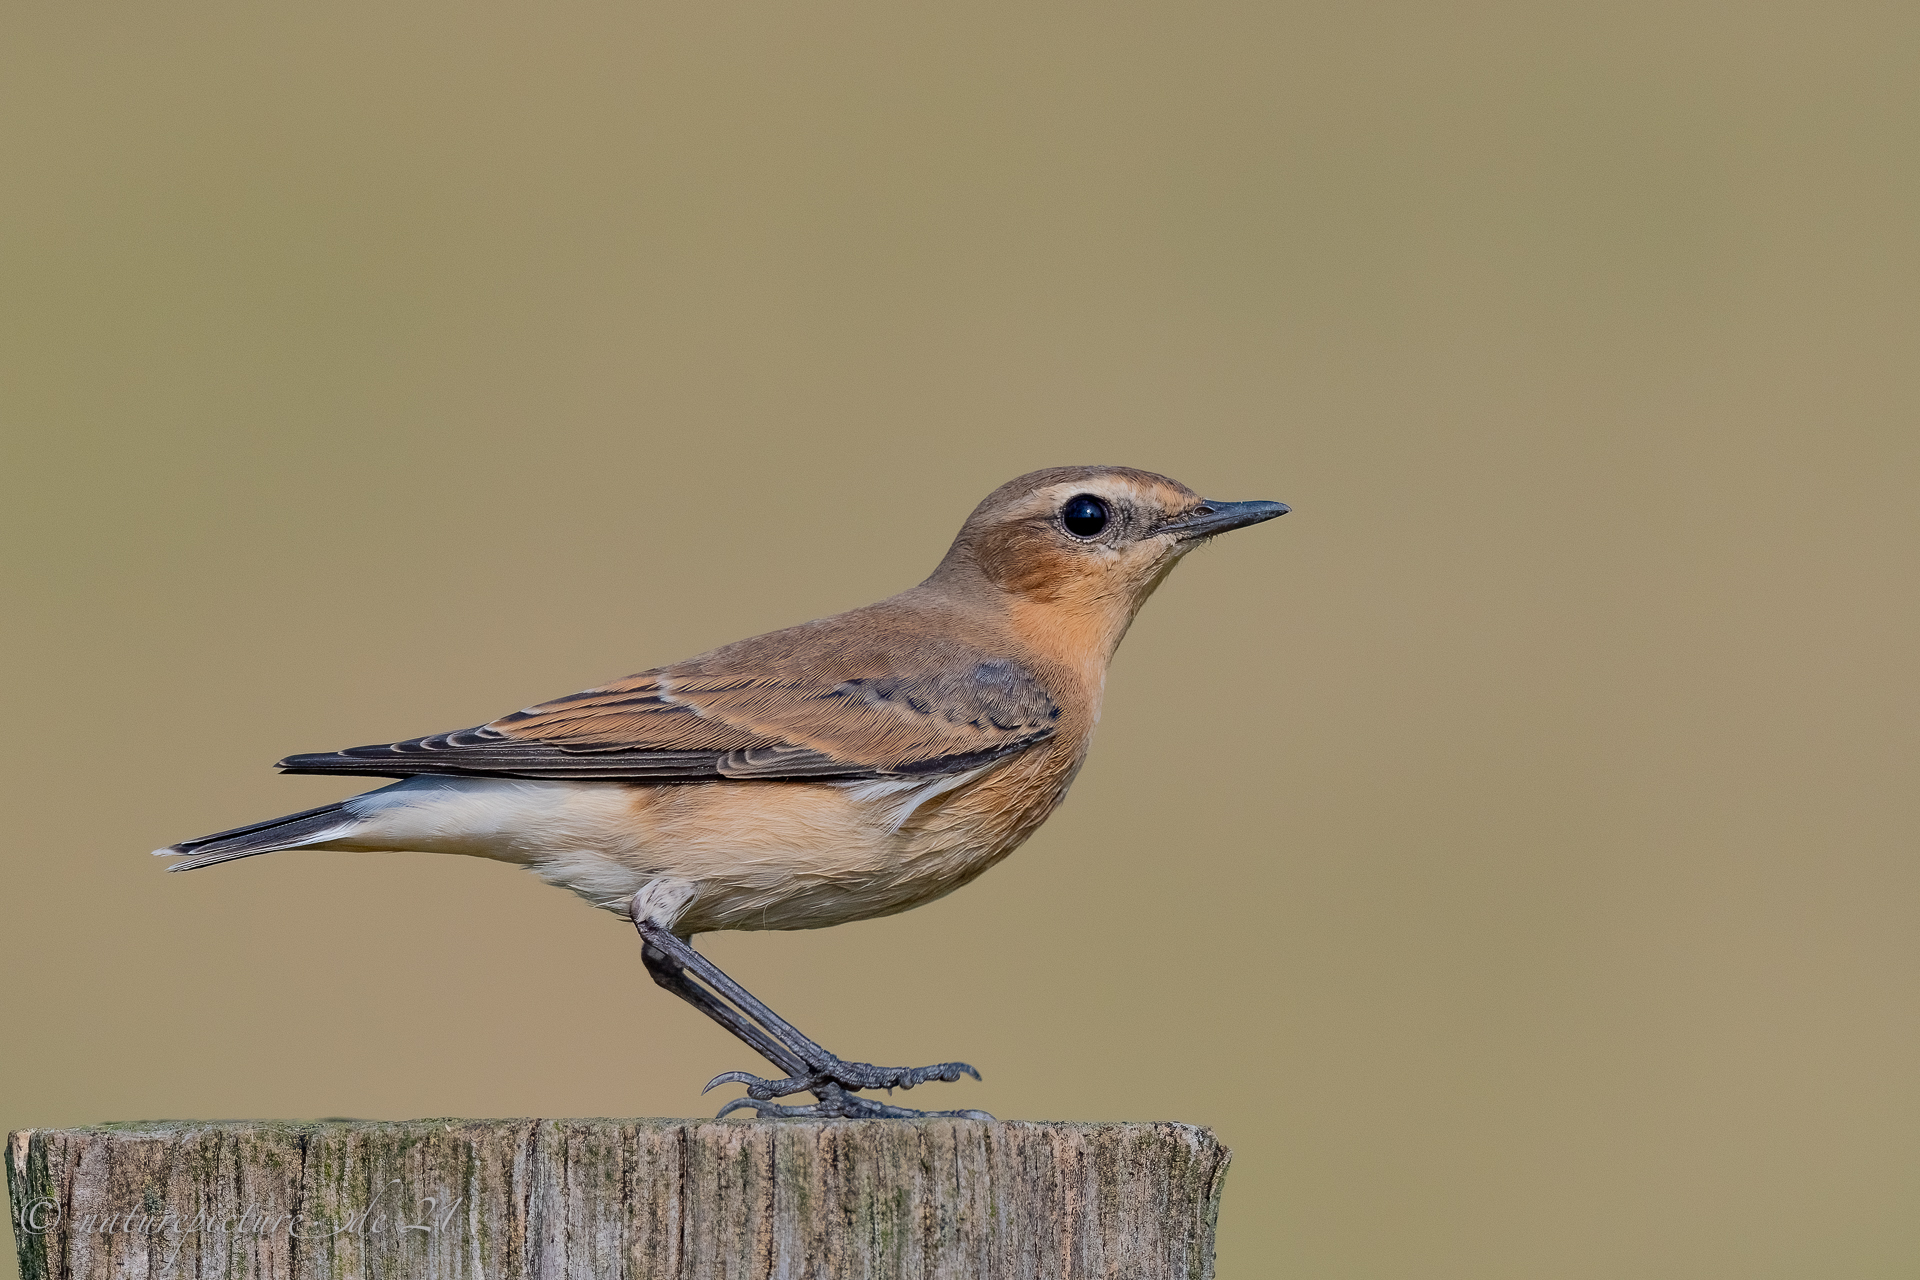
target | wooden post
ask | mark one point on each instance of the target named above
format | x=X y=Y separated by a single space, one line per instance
x=646 y=1199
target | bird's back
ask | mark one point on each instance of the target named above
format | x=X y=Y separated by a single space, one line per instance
x=914 y=686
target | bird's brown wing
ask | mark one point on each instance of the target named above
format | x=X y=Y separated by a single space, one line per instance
x=752 y=710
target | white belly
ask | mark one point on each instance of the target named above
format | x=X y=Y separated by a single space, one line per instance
x=760 y=855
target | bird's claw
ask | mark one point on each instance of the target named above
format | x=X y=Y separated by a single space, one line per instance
x=762 y=1088
x=848 y=1075
x=837 y=1104
x=834 y=1083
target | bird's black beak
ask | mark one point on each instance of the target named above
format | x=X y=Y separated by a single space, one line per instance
x=1212 y=517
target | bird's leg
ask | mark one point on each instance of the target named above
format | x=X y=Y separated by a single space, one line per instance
x=674 y=965
x=671 y=976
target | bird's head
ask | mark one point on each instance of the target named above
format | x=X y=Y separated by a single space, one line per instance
x=1089 y=543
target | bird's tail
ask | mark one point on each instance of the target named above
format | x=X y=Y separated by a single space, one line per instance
x=313 y=826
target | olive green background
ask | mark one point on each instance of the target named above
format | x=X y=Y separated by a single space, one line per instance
x=1510 y=852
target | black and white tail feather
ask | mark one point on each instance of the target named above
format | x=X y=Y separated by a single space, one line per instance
x=310 y=826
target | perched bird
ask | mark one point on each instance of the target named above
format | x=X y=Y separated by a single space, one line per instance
x=849 y=767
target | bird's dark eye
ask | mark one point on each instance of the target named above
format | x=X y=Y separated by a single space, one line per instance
x=1084 y=516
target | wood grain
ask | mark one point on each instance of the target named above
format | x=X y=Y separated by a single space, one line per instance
x=647 y=1199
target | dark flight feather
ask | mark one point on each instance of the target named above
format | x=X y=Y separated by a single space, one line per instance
x=831 y=699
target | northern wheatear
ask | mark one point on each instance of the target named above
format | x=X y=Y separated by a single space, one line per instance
x=849 y=767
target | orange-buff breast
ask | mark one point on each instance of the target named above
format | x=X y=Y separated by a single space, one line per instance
x=809 y=855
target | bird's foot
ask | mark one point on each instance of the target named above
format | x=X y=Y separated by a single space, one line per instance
x=848 y=1075
x=834 y=1083
x=836 y=1103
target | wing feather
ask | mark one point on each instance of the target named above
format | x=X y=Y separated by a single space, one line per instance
x=796 y=705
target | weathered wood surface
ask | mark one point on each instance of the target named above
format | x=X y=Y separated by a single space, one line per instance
x=647 y=1199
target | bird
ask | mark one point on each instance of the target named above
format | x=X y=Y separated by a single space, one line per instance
x=849 y=767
